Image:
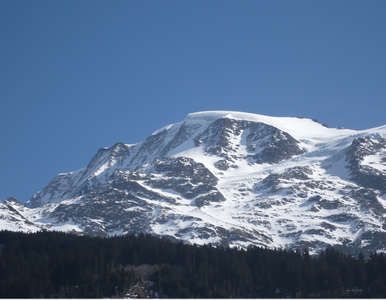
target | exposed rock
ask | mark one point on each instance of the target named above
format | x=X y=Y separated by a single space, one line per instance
x=366 y=175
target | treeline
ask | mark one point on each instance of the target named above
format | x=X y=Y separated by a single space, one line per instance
x=60 y=265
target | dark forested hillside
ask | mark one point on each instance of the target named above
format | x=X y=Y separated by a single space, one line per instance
x=54 y=264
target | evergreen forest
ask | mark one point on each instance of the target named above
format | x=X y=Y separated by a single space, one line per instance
x=61 y=265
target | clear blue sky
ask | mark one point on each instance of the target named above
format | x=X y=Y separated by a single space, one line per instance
x=76 y=76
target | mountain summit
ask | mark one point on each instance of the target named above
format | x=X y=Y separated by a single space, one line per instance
x=228 y=178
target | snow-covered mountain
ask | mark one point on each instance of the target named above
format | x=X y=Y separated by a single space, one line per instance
x=229 y=178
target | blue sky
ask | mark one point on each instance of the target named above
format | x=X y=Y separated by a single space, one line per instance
x=76 y=76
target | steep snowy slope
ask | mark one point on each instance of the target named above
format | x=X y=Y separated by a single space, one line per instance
x=229 y=178
x=12 y=217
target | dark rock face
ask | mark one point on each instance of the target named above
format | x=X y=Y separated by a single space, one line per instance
x=365 y=175
x=368 y=199
x=217 y=137
x=183 y=167
x=187 y=177
x=222 y=165
x=265 y=143
x=276 y=145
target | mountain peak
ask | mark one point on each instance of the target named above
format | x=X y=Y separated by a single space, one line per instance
x=229 y=178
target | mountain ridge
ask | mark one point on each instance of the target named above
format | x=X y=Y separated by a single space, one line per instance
x=229 y=178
